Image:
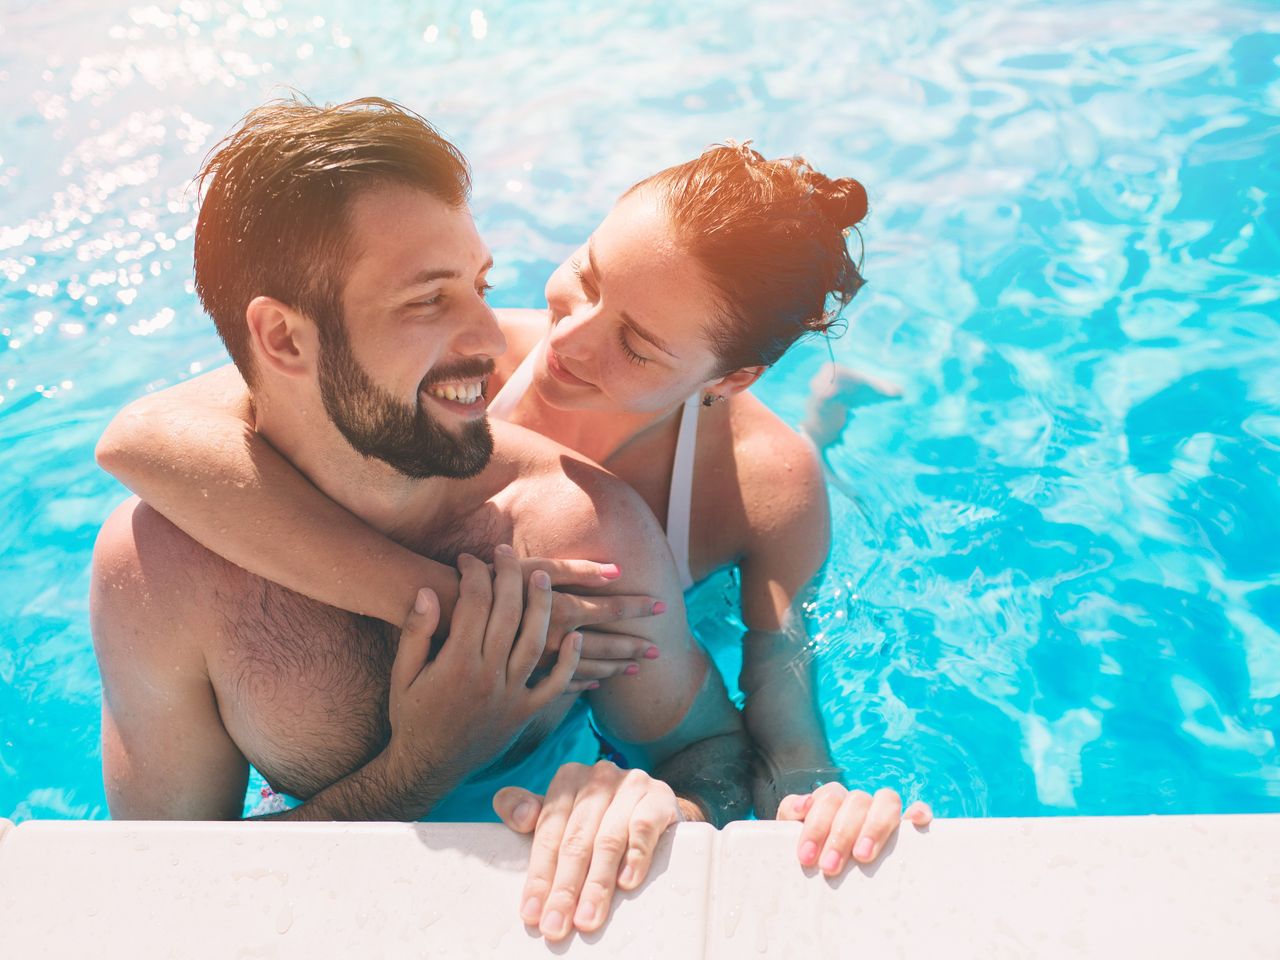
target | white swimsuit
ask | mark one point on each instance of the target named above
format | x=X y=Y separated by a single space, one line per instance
x=679 y=501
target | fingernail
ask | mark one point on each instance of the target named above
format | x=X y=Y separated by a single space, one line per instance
x=632 y=669
x=422 y=602
x=504 y=549
x=863 y=850
x=540 y=579
x=595 y=685
x=586 y=914
x=808 y=852
x=553 y=923
x=610 y=571
x=830 y=862
x=659 y=607
x=651 y=653
x=521 y=814
x=627 y=876
x=576 y=639
x=531 y=911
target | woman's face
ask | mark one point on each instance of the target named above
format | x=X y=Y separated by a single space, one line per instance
x=628 y=311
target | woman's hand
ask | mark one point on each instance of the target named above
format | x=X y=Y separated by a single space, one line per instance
x=604 y=654
x=840 y=824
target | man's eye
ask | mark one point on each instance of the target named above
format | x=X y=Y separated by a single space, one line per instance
x=429 y=302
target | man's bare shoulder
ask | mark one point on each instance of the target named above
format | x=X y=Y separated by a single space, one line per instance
x=146 y=570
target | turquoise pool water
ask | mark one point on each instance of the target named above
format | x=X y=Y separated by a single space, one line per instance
x=1056 y=582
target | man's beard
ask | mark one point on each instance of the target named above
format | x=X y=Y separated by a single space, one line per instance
x=403 y=436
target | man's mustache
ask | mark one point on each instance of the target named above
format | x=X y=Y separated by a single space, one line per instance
x=461 y=370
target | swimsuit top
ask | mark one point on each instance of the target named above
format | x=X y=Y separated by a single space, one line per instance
x=680 y=499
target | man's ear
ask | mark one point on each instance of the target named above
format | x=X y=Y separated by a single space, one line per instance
x=735 y=382
x=283 y=339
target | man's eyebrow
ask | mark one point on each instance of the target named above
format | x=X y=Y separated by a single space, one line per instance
x=639 y=331
x=430 y=276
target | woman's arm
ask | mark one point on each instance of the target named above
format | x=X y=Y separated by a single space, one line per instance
x=788 y=538
x=192 y=453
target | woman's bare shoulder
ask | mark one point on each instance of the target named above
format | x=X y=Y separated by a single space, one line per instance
x=779 y=468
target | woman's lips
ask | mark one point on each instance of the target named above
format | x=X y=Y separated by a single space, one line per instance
x=557 y=370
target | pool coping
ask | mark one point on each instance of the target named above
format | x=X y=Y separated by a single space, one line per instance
x=1167 y=885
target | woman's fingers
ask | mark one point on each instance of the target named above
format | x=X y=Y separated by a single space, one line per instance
x=533 y=631
x=573 y=573
x=882 y=819
x=415 y=639
x=842 y=835
x=919 y=814
x=505 y=610
x=794 y=806
x=589 y=670
x=817 y=822
x=572 y=611
x=599 y=645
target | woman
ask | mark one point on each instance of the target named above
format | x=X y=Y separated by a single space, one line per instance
x=698 y=280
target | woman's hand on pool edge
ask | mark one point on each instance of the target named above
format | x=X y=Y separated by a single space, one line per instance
x=842 y=824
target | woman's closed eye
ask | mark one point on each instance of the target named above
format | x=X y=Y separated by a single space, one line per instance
x=631 y=355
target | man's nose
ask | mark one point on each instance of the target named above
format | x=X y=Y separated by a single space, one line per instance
x=479 y=334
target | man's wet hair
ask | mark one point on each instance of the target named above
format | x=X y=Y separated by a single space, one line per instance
x=277 y=194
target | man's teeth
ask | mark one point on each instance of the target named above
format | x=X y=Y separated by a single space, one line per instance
x=458 y=392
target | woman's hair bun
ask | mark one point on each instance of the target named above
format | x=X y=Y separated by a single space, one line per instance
x=843 y=201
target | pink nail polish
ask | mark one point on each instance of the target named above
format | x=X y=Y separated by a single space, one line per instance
x=610 y=571
x=863 y=850
x=659 y=607
x=594 y=685
x=632 y=669
x=830 y=862
x=651 y=653
x=808 y=852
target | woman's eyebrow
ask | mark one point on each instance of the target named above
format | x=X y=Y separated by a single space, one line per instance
x=636 y=328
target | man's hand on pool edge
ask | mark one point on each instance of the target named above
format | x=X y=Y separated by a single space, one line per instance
x=594 y=832
x=842 y=824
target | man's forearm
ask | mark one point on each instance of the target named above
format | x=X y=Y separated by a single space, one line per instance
x=380 y=790
x=714 y=775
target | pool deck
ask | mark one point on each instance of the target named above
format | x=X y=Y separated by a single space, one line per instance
x=1055 y=887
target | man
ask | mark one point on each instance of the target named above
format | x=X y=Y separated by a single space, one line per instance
x=336 y=255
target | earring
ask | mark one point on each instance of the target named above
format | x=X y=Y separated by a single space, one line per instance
x=709 y=398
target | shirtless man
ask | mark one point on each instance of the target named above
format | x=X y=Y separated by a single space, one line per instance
x=338 y=258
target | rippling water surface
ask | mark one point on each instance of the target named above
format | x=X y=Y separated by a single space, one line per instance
x=1056 y=582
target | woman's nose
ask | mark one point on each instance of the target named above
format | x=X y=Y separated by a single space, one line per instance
x=572 y=334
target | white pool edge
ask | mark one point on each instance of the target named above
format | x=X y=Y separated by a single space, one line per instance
x=1140 y=886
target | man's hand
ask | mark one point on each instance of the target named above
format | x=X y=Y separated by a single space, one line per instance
x=450 y=716
x=840 y=824
x=595 y=831
x=604 y=654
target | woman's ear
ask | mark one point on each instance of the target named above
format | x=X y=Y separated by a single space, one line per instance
x=735 y=382
x=283 y=340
